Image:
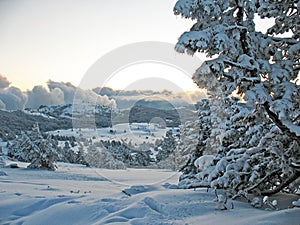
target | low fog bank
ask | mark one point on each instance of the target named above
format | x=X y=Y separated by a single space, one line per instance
x=12 y=98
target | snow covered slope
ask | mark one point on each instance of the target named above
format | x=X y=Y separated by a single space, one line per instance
x=76 y=194
x=135 y=132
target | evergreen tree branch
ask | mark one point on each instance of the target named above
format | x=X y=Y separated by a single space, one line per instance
x=265 y=178
x=280 y=124
x=284 y=184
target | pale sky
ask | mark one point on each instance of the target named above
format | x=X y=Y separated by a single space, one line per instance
x=61 y=39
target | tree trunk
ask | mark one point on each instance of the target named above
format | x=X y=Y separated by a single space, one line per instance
x=279 y=123
x=283 y=184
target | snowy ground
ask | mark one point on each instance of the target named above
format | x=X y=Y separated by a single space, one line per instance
x=135 y=132
x=76 y=194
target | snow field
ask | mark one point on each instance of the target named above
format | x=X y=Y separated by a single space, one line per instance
x=75 y=194
x=137 y=133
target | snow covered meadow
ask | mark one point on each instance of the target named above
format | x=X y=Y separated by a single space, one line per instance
x=137 y=133
x=76 y=194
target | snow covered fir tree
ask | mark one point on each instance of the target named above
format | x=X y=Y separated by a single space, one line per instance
x=2 y=162
x=254 y=75
x=98 y=156
x=34 y=148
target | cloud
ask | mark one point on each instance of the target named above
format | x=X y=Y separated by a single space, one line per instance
x=127 y=98
x=72 y=93
x=41 y=96
x=184 y=98
x=13 y=98
x=67 y=88
x=4 y=83
x=104 y=100
x=89 y=96
x=112 y=92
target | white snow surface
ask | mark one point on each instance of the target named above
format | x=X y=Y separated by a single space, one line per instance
x=137 y=133
x=296 y=203
x=75 y=194
x=203 y=162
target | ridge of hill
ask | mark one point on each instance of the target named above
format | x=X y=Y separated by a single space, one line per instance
x=60 y=117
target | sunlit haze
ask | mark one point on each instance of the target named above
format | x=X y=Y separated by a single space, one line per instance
x=153 y=76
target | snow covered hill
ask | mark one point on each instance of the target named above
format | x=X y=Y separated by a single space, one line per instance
x=137 y=133
x=58 y=117
x=12 y=123
x=76 y=194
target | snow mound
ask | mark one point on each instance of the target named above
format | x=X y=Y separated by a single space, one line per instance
x=296 y=203
x=170 y=186
x=138 y=189
x=2 y=173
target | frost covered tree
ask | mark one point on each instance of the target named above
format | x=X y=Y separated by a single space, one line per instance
x=2 y=162
x=193 y=139
x=45 y=156
x=81 y=155
x=68 y=154
x=169 y=155
x=261 y=68
x=33 y=148
x=166 y=147
x=98 y=156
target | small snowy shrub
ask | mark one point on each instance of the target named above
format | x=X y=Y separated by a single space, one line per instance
x=33 y=148
x=98 y=156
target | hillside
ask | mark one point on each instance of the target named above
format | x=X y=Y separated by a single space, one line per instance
x=13 y=122
x=59 y=117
